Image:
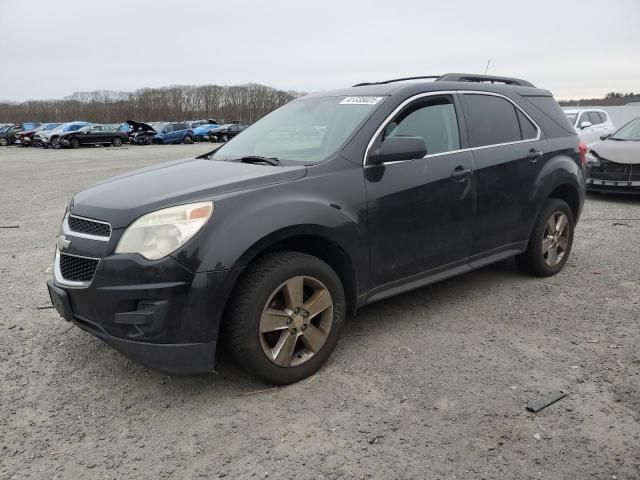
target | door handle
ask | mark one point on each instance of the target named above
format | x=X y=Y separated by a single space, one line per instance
x=534 y=155
x=459 y=173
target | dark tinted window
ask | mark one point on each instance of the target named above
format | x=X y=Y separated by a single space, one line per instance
x=527 y=128
x=491 y=120
x=594 y=118
x=550 y=108
x=433 y=119
x=180 y=126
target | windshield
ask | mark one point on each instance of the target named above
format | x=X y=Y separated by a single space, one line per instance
x=630 y=131
x=306 y=130
x=571 y=117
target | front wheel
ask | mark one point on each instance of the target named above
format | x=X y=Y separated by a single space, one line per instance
x=75 y=143
x=285 y=317
x=4 y=142
x=551 y=240
x=188 y=139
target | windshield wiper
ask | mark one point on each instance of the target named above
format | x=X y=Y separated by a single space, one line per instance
x=258 y=159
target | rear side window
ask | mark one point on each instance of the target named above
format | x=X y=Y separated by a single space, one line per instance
x=491 y=120
x=594 y=118
x=433 y=119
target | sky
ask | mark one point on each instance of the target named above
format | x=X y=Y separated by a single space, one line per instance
x=575 y=48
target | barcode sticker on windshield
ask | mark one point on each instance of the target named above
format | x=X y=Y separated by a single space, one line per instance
x=360 y=100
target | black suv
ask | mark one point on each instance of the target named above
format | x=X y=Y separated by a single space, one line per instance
x=267 y=243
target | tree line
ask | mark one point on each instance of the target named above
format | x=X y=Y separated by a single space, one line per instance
x=611 y=99
x=243 y=103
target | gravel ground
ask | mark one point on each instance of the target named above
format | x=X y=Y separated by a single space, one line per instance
x=429 y=384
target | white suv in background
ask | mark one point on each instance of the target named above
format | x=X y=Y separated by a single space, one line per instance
x=590 y=123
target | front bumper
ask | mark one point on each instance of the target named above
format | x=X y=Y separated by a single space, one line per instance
x=154 y=312
x=621 y=186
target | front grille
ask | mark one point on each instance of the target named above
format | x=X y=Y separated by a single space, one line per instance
x=89 y=227
x=77 y=269
x=614 y=172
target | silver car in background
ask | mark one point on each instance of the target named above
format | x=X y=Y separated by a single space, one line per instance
x=590 y=123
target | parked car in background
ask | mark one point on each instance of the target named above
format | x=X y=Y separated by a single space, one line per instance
x=590 y=123
x=224 y=133
x=26 y=137
x=139 y=133
x=201 y=133
x=266 y=244
x=49 y=138
x=173 y=132
x=8 y=135
x=93 y=134
x=613 y=163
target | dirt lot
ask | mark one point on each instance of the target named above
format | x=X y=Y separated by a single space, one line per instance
x=430 y=384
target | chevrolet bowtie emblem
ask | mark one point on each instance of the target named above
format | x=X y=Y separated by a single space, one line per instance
x=63 y=242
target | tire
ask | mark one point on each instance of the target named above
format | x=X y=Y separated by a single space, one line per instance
x=188 y=139
x=116 y=141
x=74 y=143
x=544 y=263
x=251 y=338
x=4 y=142
x=55 y=143
x=225 y=139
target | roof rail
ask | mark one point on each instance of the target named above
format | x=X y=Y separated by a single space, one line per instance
x=423 y=77
x=470 y=77
x=456 y=77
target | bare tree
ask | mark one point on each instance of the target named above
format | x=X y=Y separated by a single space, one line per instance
x=243 y=103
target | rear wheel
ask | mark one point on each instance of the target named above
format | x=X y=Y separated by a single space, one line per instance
x=4 y=142
x=116 y=141
x=551 y=240
x=285 y=317
x=225 y=138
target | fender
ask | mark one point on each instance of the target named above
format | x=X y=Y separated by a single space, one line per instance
x=562 y=169
x=245 y=223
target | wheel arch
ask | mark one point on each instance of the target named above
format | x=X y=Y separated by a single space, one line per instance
x=312 y=240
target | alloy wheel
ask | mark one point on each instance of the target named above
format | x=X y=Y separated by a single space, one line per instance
x=296 y=321
x=555 y=241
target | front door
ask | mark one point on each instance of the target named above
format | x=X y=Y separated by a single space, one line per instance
x=421 y=211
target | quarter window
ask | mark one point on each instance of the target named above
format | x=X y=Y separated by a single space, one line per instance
x=433 y=119
x=491 y=120
x=527 y=129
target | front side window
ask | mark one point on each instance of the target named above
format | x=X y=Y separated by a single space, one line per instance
x=594 y=118
x=491 y=120
x=432 y=119
x=307 y=130
x=584 y=118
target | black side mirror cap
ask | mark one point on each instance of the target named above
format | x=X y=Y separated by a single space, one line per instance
x=398 y=148
x=605 y=136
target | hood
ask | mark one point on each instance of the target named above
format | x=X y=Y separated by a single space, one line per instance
x=139 y=126
x=204 y=129
x=627 y=152
x=122 y=199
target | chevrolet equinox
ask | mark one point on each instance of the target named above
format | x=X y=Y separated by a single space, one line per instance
x=331 y=202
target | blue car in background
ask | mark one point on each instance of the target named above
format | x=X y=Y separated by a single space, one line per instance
x=202 y=132
x=173 y=133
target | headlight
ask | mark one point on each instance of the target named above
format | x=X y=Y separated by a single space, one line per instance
x=592 y=159
x=157 y=234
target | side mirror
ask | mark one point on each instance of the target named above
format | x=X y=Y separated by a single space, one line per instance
x=605 y=136
x=585 y=124
x=398 y=148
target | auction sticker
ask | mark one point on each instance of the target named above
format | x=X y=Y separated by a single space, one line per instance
x=361 y=100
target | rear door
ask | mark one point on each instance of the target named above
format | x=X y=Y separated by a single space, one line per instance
x=509 y=153
x=420 y=211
